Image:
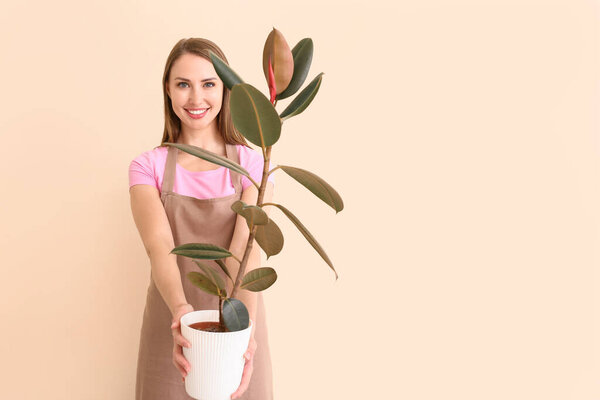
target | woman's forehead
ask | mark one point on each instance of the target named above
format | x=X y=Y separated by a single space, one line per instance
x=191 y=66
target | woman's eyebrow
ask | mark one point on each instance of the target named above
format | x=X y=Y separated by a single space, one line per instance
x=203 y=80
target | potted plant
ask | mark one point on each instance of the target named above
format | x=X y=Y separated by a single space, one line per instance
x=255 y=117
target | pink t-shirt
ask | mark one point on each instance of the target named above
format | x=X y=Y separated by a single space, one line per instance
x=149 y=169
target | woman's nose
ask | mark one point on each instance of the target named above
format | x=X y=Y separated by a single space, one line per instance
x=196 y=95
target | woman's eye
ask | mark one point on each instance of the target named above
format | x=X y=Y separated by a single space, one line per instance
x=212 y=84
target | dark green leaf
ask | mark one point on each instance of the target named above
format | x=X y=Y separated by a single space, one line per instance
x=227 y=75
x=259 y=279
x=302 y=52
x=269 y=238
x=235 y=315
x=203 y=282
x=224 y=268
x=318 y=186
x=214 y=277
x=254 y=215
x=303 y=99
x=203 y=251
x=307 y=235
x=210 y=156
x=254 y=115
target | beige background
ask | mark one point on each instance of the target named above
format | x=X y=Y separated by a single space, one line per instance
x=462 y=135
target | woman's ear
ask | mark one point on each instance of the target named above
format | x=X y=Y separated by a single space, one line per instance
x=167 y=89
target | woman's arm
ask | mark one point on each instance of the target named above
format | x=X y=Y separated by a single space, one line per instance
x=238 y=246
x=153 y=225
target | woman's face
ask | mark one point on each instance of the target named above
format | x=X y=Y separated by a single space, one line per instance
x=196 y=92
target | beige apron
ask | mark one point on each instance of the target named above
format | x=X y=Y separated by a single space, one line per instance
x=193 y=220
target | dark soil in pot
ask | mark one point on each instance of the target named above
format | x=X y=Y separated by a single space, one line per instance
x=209 y=326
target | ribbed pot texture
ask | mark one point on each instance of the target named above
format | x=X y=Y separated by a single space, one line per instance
x=216 y=358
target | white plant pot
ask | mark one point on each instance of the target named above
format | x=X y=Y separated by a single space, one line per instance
x=216 y=358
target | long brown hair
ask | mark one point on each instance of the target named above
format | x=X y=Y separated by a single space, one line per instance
x=199 y=47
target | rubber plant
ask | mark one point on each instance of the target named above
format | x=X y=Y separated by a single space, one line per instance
x=256 y=118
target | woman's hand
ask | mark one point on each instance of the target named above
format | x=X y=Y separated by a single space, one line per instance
x=178 y=340
x=248 y=368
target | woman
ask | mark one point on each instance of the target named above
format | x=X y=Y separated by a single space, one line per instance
x=177 y=198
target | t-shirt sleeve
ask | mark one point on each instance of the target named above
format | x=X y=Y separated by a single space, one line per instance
x=253 y=161
x=141 y=171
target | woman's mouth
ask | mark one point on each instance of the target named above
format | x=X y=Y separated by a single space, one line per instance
x=196 y=113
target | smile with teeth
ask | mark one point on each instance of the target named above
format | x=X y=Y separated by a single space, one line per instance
x=197 y=112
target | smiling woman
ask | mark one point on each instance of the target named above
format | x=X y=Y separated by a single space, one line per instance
x=177 y=198
x=195 y=94
x=190 y=77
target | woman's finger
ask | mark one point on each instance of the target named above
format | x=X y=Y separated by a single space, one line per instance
x=177 y=365
x=178 y=337
x=179 y=357
x=179 y=368
x=181 y=341
x=251 y=350
x=246 y=375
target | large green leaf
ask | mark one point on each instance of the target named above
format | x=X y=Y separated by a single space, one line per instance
x=303 y=99
x=269 y=238
x=259 y=279
x=203 y=251
x=318 y=186
x=235 y=315
x=302 y=52
x=311 y=239
x=254 y=115
x=254 y=215
x=227 y=75
x=210 y=156
x=224 y=268
x=214 y=277
x=203 y=282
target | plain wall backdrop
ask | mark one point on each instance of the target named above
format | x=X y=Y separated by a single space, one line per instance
x=462 y=136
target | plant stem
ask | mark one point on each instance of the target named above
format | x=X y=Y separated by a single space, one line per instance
x=221 y=320
x=253 y=182
x=263 y=183
x=261 y=195
x=240 y=274
x=271 y=171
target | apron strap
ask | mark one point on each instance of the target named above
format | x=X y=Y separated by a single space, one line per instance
x=236 y=178
x=169 y=176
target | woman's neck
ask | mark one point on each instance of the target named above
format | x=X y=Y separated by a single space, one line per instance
x=209 y=139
